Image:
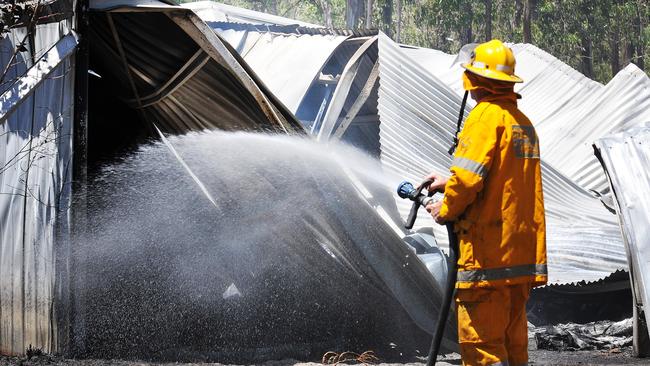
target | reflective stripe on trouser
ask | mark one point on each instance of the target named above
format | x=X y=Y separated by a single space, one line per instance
x=492 y=325
x=493 y=274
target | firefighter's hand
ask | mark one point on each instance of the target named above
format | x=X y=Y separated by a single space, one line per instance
x=434 y=210
x=438 y=184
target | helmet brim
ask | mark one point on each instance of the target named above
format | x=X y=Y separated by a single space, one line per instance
x=492 y=74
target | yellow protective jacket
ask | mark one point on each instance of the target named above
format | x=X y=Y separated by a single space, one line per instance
x=495 y=198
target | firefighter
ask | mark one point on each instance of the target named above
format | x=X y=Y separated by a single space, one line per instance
x=494 y=197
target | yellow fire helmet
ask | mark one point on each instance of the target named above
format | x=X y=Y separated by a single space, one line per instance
x=493 y=60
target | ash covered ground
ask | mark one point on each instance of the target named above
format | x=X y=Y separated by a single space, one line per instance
x=617 y=356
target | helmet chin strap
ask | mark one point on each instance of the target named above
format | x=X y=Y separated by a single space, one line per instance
x=454 y=145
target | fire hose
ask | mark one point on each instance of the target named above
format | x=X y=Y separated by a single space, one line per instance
x=406 y=190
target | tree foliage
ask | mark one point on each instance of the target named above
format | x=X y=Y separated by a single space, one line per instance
x=597 y=37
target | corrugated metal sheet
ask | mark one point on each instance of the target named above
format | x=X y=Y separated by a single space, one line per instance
x=272 y=49
x=199 y=83
x=125 y=5
x=622 y=103
x=317 y=103
x=294 y=29
x=540 y=70
x=569 y=110
x=35 y=177
x=543 y=72
x=626 y=158
x=308 y=57
x=418 y=113
x=272 y=54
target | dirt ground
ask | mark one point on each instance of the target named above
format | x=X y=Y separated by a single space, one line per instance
x=539 y=357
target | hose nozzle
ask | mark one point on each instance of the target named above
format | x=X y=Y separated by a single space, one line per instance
x=406 y=190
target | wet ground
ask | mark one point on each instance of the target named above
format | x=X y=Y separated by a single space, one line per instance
x=539 y=357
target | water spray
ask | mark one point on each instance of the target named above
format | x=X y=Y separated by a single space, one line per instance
x=406 y=190
x=186 y=167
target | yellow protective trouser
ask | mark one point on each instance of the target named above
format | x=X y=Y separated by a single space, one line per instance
x=492 y=325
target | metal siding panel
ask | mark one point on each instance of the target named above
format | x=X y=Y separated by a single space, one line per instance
x=29 y=197
x=271 y=55
x=626 y=157
x=13 y=137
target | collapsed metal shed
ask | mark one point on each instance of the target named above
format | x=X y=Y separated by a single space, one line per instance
x=135 y=79
x=380 y=98
x=362 y=89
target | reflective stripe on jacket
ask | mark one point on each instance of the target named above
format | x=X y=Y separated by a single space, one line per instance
x=495 y=198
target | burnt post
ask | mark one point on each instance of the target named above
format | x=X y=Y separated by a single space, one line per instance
x=640 y=334
x=76 y=269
